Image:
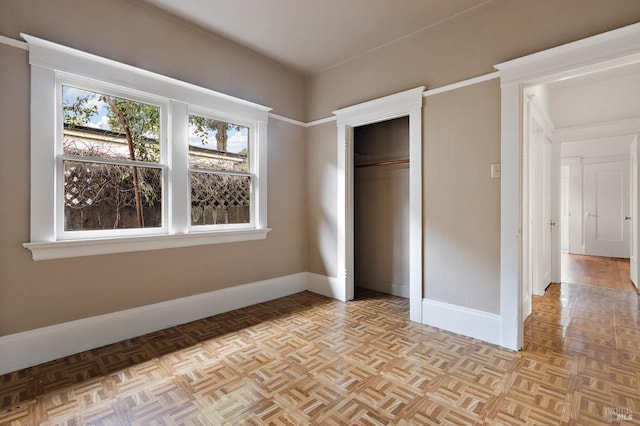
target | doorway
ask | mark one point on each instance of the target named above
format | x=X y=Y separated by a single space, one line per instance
x=407 y=103
x=577 y=181
x=381 y=207
x=606 y=51
x=597 y=244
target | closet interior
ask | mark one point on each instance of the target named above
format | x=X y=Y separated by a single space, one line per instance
x=381 y=207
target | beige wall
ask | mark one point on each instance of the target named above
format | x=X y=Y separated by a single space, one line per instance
x=461 y=129
x=461 y=203
x=321 y=180
x=36 y=294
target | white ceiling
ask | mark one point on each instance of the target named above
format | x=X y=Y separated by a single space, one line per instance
x=312 y=36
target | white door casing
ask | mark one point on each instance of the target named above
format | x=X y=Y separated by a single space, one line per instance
x=536 y=202
x=606 y=204
x=407 y=103
x=565 y=213
x=608 y=50
x=540 y=212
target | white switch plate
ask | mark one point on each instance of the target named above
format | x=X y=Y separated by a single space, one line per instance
x=495 y=171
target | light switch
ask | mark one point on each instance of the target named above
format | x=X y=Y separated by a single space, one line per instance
x=495 y=171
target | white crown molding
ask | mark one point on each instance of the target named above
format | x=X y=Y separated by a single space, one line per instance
x=13 y=42
x=607 y=129
x=288 y=120
x=461 y=84
x=610 y=49
x=320 y=121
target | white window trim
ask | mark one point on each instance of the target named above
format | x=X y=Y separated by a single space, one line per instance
x=50 y=61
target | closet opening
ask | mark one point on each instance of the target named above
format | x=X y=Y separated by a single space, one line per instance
x=381 y=208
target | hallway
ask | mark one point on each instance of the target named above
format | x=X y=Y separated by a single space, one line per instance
x=606 y=272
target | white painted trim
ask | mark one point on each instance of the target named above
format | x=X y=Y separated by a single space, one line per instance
x=65 y=59
x=14 y=43
x=44 y=344
x=53 y=65
x=301 y=123
x=320 y=121
x=604 y=51
x=324 y=285
x=380 y=109
x=605 y=159
x=480 y=325
x=510 y=219
x=407 y=103
x=426 y=93
x=540 y=113
x=287 y=120
x=597 y=130
x=77 y=248
x=461 y=84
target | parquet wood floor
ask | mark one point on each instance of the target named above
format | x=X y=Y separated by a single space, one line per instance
x=607 y=272
x=307 y=359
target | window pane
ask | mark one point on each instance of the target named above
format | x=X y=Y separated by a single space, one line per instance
x=218 y=145
x=220 y=199
x=104 y=196
x=98 y=125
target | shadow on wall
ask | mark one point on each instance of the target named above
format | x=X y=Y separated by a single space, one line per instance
x=327 y=222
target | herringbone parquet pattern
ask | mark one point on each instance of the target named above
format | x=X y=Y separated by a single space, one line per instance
x=306 y=359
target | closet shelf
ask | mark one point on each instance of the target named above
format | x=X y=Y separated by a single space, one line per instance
x=384 y=163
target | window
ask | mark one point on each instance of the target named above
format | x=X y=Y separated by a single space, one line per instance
x=138 y=161
x=219 y=171
x=113 y=164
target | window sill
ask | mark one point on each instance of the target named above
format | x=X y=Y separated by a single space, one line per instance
x=78 y=248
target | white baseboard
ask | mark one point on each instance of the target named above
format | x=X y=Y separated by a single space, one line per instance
x=458 y=319
x=326 y=286
x=34 y=347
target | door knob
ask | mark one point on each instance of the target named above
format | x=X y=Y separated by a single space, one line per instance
x=627 y=217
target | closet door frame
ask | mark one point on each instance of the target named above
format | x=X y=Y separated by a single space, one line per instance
x=403 y=104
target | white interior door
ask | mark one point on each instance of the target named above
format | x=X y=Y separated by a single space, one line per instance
x=540 y=224
x=633 y=225
x=607 y=214
x=565 y=214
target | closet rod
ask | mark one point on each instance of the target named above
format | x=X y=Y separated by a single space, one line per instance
x=384 y=163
